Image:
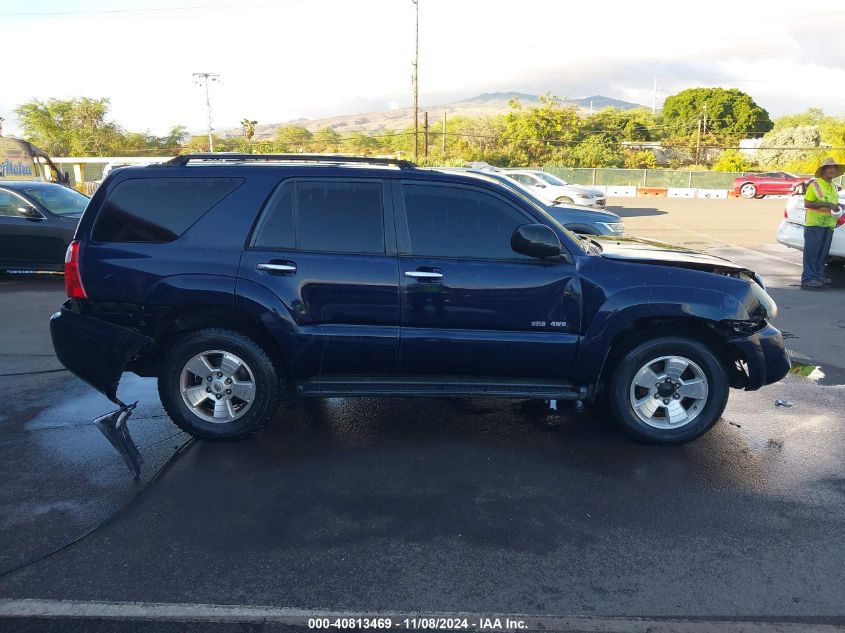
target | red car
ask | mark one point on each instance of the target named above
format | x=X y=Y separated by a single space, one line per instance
x=771 y=183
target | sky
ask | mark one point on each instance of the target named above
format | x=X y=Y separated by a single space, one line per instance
x=280 y=60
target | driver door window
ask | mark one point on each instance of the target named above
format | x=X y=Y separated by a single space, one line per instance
x=460 y=223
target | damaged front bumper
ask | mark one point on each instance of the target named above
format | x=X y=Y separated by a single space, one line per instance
x=97 y=352
x=765 y=356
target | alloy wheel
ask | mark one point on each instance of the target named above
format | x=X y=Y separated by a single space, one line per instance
x=669 y=392
x=217 y=386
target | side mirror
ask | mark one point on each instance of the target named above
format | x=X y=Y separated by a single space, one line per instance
x=536 y=240
x=540 y=185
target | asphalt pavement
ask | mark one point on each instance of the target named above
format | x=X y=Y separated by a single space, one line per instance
x=425 y=506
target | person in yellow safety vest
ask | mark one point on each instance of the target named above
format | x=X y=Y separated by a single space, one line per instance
x=823 y=209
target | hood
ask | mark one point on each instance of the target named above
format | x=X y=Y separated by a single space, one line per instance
x=580 y=189
x=587 y=189
x=644 y=251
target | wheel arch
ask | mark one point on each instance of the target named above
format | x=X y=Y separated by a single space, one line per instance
x=188 y=318
x=645 y=329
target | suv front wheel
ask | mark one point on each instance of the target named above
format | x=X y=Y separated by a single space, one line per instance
x=668 y=390
x=218 y=384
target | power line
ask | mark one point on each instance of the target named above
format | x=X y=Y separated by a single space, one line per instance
x=150 y=10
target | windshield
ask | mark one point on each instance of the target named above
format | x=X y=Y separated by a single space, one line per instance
x=552 y=180
x=57 y=199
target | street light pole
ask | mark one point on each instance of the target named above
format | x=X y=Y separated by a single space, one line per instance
x=203 y=79
x=416 y=82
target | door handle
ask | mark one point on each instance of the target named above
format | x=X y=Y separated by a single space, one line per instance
x=424 y=275
x=287 y=268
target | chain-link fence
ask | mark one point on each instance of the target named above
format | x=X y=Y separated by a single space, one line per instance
x=650 y=177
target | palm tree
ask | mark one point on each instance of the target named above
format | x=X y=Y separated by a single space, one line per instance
x=249 y=128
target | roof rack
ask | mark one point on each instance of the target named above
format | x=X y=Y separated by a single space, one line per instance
x=184 y=159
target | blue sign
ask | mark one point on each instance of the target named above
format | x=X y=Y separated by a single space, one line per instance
x=8 y=168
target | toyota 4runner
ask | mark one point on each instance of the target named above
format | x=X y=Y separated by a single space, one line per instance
x=240 y=280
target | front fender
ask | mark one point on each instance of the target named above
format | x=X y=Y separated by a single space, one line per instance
x=622 y=310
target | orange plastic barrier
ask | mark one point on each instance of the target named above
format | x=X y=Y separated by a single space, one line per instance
x=651 y=192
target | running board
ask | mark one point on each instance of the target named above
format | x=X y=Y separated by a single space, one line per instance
x=439 y=386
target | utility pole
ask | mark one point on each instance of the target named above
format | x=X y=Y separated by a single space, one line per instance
x=425 y=131
x=202 y=79
x=443 y=136
x=416 y=82
x=1 y=125
x=654 y=98
x=705 y=118
x=698 y=143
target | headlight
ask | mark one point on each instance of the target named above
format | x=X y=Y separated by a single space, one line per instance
x=765 y=300
x=613 y=227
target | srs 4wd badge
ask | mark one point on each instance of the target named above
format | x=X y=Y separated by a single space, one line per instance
x=549 y=324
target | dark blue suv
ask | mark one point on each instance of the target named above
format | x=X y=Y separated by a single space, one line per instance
x=239 y=280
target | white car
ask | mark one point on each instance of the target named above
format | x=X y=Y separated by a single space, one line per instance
x=553 y=189
x=791 y=230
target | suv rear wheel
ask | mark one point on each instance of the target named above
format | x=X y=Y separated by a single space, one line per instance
x=218 y=384
x=668 y=390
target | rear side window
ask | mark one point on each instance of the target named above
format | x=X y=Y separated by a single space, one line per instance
x=329 y=216
x=158 y=209
x=275 y=230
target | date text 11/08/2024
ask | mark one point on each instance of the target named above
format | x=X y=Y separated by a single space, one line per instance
x=419 y=623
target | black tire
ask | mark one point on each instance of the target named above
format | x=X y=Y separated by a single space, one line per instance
x=264 y=377
x=836 y=262
x=619 y=394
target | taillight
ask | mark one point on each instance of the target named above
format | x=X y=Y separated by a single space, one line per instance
x=785 y=213
x=73 y=281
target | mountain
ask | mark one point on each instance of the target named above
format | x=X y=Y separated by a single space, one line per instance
x=486 y=104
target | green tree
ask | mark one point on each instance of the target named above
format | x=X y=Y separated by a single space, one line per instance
x=532 y=134
x=360 y=143
x=595 y=153
x=791 y=148
x=249 y=128
x=292 y=138
x=731 y=160
x=71 y=127
x=731 y=113
x=622 y=125
x=639 y=159
x=325 y=140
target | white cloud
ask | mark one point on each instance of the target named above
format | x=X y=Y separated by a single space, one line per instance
x=283 y=59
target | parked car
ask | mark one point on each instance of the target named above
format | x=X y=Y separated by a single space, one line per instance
x=553 y=189
x=37 y=222
x=791 y=229
x=578 y=219
x=239 y=280
x=768 y=184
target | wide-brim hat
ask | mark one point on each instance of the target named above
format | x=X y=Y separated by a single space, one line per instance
x=830 y=162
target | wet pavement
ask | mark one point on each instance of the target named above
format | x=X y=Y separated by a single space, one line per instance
x=427 y=505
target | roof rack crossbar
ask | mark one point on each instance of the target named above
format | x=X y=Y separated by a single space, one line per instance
x=184 y=159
